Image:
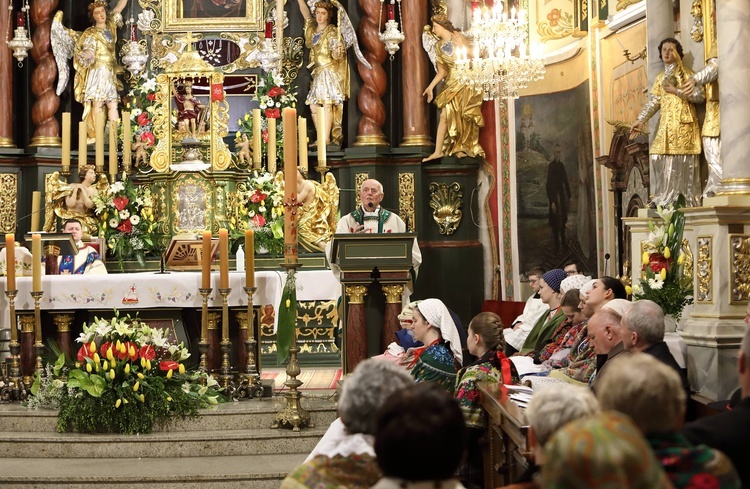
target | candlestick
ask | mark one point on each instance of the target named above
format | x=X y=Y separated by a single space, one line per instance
x=257 y=145
x=65 y=161
x=203 y=343
x=37 y=296
x=36 y=262
x=271 y=145
x=82 y=144
x=126 y=141
x=290 y=185
x=252 y=378
x=36 y=205
x=321 y=136
x=302 y=144
x=113 y=148
x=99 y=144
x=223 y=259
x=10 y=261
x=226 y=346
x=206 y=261
x=249 y=258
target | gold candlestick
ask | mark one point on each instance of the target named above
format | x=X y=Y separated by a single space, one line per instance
x=203 y=343
x=38 y=346
x=226 y=345
x=293 y=415
x=252 y=372
x=14 y=389
x=322 y=172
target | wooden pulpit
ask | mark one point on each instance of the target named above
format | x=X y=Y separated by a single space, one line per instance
x=363 y=259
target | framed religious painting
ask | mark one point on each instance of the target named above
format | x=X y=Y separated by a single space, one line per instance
x=206 y=15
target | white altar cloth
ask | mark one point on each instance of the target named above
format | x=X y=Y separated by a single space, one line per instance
x=153 y=290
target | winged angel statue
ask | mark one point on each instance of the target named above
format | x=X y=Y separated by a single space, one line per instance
x=328 y=42
x=74 y=200
x=94 y=59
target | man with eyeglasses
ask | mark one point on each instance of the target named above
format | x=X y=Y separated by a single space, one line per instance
x=573 y=267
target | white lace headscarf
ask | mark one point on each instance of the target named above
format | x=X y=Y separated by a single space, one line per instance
x=435 y=312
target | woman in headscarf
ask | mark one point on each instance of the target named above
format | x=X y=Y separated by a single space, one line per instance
x=441 y=357
x=486 y=342
x=549 y=290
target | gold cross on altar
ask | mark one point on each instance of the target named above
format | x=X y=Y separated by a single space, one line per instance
x=190 y=40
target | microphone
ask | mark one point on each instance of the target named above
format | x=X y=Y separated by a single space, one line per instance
x=606 y=263
x=371 y=205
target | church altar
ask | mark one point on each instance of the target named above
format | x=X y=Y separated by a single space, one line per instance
x=150 y=290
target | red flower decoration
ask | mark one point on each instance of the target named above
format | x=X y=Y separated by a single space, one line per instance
x=151 y=96
x=169 y=365
x=125 y=226
x=120 y=202
x=84 y=352
x=258 y=196
x=276 y=91
x=259 y=220
x=657 y=262
x=105 y=347
x=134 y=356
x=265 y=135
x=148 y=136
x=147 y=352
x=143 y=119
x=273 y=113
x=703 y=481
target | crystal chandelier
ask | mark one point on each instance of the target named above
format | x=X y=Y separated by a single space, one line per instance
x=498 y=62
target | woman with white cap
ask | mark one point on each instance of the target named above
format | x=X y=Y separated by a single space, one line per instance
x=441 y=357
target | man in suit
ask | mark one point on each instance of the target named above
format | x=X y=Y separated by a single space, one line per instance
x=730 y=431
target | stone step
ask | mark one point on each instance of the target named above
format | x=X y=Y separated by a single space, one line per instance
x=246 y=414
x=255 y=441
x=225 y=472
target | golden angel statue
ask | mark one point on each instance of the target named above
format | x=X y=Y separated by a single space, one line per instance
x=328 y=43
x=318 y=214
x=94 y=59
x=75 y=200
x=460 y=104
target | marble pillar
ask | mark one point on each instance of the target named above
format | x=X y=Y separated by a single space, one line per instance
x=660 y=25
x=415 y=76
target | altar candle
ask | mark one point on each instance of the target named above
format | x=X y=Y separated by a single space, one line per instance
x=223 y=259
x=290 y=185
x=100 y=141
x=10 y=261
x=257 y=145
x=113 y=147
x=302 y=144
x=82 y=144
x=206 y=261
x=126 y=137
x=36 y=263
x=249 y=258
x=65 y=162
x=36 y=205
x=271 y=145
x=321 y=137
x=279 y=25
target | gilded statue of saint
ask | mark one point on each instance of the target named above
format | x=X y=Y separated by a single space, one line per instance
x=75 y=200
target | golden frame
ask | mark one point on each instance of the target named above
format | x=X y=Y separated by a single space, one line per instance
x=168 y=18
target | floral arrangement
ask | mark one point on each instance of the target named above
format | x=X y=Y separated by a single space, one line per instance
x=126 y=220
x=260 y=208
x=126 y=377
x=272 y=97
x=662 y=261
x=142 y=103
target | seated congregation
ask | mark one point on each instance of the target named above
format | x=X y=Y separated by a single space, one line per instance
x=610 y=413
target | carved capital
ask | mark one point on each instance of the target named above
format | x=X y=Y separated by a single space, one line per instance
x=356 y=294
x=242 y=319
x=213 y=320
x=393 y=293
x=27 y=323
x=63 y=322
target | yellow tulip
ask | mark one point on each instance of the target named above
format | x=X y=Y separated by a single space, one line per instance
x=663 y=274
x=667 y=253
x=125 y=401
x=118 y=345
x=92 y=347
x=140 y=376
x=112 y=374
x=644 y=258
x=629 y=290
x=127 y=368
x=110 y=355
x=105 y=365
x=96 y=358
x=136 y=386
x=88 y=367
x=132 y=351
x=681 y=259
x=169 y=374
x=143 y=362
x=148 y=364
x=169 y=399
x=288 y=303
x=142 y=398
x=117 y=404
x=182 y=368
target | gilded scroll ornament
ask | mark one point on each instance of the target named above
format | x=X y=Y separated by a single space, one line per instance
x=359 y=179
x=356 y=294
x=406 y=191
x=559 y=25
x=293 y=59
x=687 y=265
x=445 y=202
x=8 y=202
x=740 y=268
x=705 y=278
x=393 y=293
x=623 y=4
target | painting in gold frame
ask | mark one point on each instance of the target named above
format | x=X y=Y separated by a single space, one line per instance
x=211 y=15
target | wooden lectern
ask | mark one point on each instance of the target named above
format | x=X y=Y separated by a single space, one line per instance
x=363 y=259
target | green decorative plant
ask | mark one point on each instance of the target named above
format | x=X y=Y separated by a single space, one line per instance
x=259 y=206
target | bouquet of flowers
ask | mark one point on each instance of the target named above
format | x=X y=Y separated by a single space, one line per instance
x=272 y=98
x=664 y=282
x=142 y=103
x=127 y=220
x=127 y=376
x=260 y=207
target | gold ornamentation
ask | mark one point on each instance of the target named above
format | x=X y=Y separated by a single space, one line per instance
x=740 y=280
x=192 y=206
x=213 y=320
x=445 y=202
x=359 y=179
x=168 y=17
x=356 y=294
x=687 y=264
x=63 y=322
x=623 y=4
x=705 y=262
x=292 y=58
x=393 y=293
x=406 y=193
x=27 y=323
x=560 y=25
x=439 y=7
x=8 y=202
x=696 y=11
